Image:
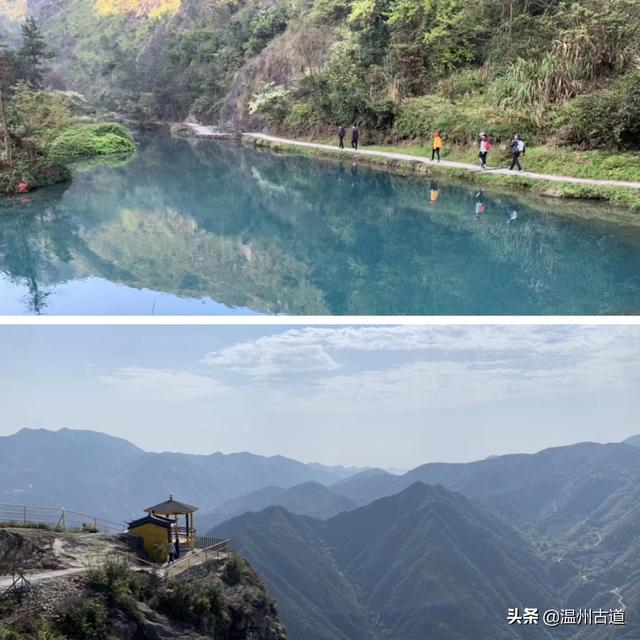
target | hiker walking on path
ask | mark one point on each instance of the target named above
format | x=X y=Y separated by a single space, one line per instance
x=341 y=134
x=436 y=145
x=171 y=548
x=485 y=147
x=517 y=149
x=355 y=136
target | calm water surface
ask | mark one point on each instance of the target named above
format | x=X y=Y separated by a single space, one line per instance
x=190 y=227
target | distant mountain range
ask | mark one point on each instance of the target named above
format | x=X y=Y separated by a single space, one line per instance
x=110 y=477
x=439 y=552
x=310 y=498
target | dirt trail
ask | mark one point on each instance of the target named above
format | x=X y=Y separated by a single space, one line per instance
x=6 y=582
x=617 y=592
x=206 y=132
x=46 y=554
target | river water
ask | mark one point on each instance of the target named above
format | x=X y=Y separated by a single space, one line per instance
x=205 y=227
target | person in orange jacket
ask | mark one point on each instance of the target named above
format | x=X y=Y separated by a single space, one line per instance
x=436 y=145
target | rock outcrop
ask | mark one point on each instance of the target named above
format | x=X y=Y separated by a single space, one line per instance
x=117 y=596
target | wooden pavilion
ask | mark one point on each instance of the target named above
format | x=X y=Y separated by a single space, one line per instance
x=173 y=510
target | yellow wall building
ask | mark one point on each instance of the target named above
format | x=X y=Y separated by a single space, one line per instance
x=155 y=532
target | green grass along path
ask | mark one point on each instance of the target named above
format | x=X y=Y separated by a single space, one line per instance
x=206 y=132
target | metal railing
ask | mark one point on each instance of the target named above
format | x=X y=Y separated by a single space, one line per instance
x=198 y=557
x=57 y=518
x=204 y=542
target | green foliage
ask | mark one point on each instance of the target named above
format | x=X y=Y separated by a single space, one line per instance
x=116 y=583
x=264 y=26
x=33 y=53
x=37 y=116
x=464 y=83
x=273 y=102
x=114 y=580
x=609 y=118
x=194 y=602
x=93 y=140
x=330 y=10
x=34 y=173
x=235 y=571
x=447 y=30
x=86 y=620
x=15 y=524
x=460 y=122
x=341 y=93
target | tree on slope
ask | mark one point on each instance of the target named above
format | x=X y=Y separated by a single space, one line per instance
x=33 y=53
x=5 y=79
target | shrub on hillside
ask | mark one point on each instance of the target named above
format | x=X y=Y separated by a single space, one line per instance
x=235 y=571
x=196 y=603
x=86 y=620
x=609 y=118
x=464 y=83
x=461 y=122
x=273 y=102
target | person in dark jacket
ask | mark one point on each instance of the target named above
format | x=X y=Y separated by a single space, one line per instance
x=517 y=149
x=355 y=136
x=177 y=547
x=341 y=134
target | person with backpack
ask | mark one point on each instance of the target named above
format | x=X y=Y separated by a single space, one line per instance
x=485 y=147
x=436 y=145
x=355 y=137
x=341 y=134
x=518 y=148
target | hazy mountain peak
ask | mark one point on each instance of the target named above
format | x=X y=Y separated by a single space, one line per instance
x=634 y=441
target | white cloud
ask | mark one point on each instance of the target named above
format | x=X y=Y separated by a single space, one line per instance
x=164 y=385
x=446 y=384
x=316 y=349
x=441 y=367
x=265 y=357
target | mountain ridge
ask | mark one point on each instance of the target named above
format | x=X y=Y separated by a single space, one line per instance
x=112 y=478
x=404 y=563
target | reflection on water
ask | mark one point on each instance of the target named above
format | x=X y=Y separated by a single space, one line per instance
x=203 y=227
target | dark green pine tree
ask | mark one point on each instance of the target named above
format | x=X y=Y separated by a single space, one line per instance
x=33 y=53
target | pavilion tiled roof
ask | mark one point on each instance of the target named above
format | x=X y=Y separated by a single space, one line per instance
x=171 y=506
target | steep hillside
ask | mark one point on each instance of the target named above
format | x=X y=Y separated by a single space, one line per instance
x=314 y=596
x=47 y=466
x=400 y=566
x=560 y=71
x=552 y=491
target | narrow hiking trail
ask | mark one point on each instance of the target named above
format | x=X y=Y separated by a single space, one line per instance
x=617 y=592
x=207 y=132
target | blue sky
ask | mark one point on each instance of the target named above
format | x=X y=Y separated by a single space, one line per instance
x=382 y=396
